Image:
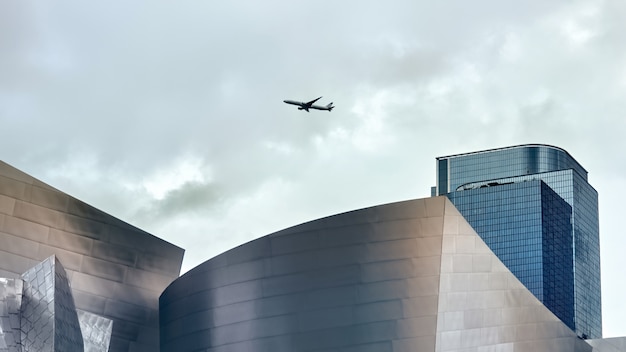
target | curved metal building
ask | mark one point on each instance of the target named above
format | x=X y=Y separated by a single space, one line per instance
x=408 y=276
x=115 y=270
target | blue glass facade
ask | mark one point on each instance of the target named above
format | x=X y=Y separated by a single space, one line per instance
x=533 y=206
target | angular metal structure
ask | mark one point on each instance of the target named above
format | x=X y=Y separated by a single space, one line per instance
x=96 y=331
x=48 y=317
x=10 y=303
x=114 y=270
x=37 y=313
x=408 y=276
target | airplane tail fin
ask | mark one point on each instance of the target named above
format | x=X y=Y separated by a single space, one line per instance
x=330 y=107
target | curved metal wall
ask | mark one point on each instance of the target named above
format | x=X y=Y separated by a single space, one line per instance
x=115 y=270
x=366 y=279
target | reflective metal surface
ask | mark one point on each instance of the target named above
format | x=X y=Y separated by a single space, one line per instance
x=114 y=269
x=615 y=344
x=409 y=276
x=48 y=317
x=96 y=331
x=10 y=303
x=37 y=313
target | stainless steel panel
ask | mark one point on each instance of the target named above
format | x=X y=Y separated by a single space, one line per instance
x=207 y=280
x=84 y=210
x=49 y=198
x=462 y=263
x=15 y=263
x=481 y=263
x=195 y=341
x=244 y=291
x=69 y=259
x=266 y=344
x=473 y=319
x=95 y=303
x=435 y=206
x=292 y=263
x=425 y=343
x=416 y=327
x=423 y=286
x=428 y=246
x=38 y=214
x=141 y=278
x=464 y=244
x=329 y=297
x=377 y=331
x=298 y=242
x=201 y=301
x=25 y=229
x=450 y=340
x=389 y=250
x=614 y=344
x=125 y=311
x=377 y=311
x=7 y=204
x=278 y=305
x=311 y=280
x=10 y=302
x=472 y=338
x=234 y=313
x=385 y=346
x=348 y=235
x=131 y=237
x=453 y=320
x=326 y=318
x=432 y=226
x=252 y=250
x=382 y=291
x=344 y=336
x=114 y=253
x=167 y=265
x=86 y=227
x=17 y=245
x=69 y=241
x=395 y=230
x=103 y=269
x=12 y=188
x=420 y=306
x=479 y=282
x=427 y=265
x=253 y=329
x=248 y=271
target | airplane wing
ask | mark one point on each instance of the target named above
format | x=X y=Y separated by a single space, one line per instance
x=312 y=101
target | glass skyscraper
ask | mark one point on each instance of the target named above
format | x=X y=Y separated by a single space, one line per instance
x=533 y=206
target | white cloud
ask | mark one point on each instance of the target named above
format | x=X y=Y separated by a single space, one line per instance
x=186 y=169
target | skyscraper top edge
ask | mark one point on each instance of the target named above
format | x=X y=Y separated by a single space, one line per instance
x=513 y=147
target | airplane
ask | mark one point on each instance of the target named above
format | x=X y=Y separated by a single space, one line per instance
x=309 y=105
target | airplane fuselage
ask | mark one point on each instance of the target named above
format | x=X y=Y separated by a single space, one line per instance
x=309 y=105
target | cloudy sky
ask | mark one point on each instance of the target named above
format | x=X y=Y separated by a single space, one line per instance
x=169 y=115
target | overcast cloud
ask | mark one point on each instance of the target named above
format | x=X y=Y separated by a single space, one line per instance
x=169 y=115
